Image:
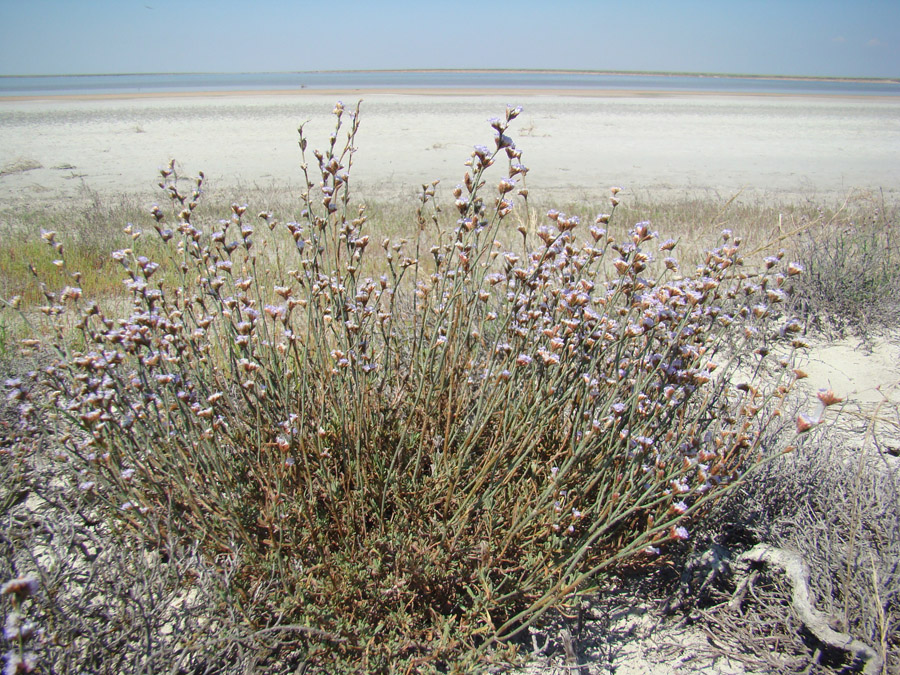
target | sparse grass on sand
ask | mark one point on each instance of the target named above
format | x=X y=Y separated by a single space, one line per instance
x=848 y=246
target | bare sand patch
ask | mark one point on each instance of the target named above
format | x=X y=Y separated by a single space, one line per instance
x=771 y=147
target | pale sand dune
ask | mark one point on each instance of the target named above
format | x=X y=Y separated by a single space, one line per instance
x=774 y=147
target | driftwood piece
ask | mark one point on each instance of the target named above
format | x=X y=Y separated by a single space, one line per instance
x=797 y=572
x=571 y=655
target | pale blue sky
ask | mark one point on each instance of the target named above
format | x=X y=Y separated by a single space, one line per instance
x=858 y=38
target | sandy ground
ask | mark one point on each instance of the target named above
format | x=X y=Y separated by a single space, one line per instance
x=773 y=147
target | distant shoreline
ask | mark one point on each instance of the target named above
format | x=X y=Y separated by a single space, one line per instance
x=542 y=71
x=435 y=92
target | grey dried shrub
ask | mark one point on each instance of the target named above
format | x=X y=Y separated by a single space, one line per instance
x=408 y=457
x=852 y=283
x=837 y=506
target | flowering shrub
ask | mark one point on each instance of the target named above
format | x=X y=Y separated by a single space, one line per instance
x=415 y=453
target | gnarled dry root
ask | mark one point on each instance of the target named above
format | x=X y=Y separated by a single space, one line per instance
x=797 y=572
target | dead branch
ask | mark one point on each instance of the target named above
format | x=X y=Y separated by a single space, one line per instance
x=797 y=572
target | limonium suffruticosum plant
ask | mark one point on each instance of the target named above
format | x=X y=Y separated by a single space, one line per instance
x=433 y=441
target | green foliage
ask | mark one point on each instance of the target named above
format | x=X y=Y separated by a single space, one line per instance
x=416 y=465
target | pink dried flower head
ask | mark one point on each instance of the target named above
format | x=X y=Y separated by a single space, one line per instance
x=776 y=295
x=680 y=486
x=828 y=397
x=805 y=423
x=504 y=141
x=506 y=185
x=516 y=168
x=21 y=587
x=794 y=269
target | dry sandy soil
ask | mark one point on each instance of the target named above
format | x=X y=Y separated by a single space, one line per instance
x=774 y=147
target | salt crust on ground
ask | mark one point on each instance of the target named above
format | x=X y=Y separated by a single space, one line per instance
x=771 y=147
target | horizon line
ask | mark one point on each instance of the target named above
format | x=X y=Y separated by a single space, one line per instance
x=832 y=78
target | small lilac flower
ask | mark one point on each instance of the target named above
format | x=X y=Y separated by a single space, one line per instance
x=518 y=168
x=680 y=486
x=20 y=663
x=679 y=533
x=513 y=111
x=15 y=629
x=504 y=141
